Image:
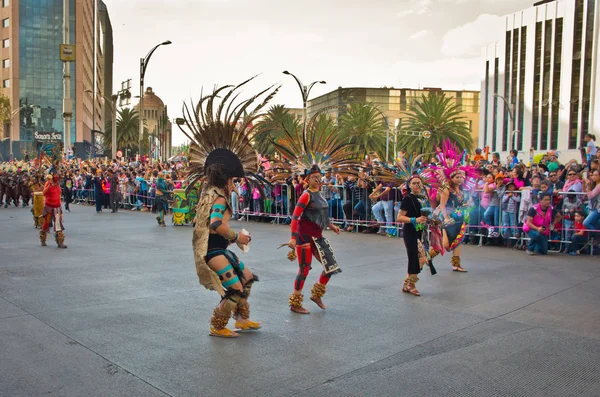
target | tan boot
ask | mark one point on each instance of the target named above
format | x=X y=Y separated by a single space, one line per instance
x=218 y=325
x=456 y=264
x=43 y=237
x=60 y=239
x=409 y=285
x=242 y=317
x=316 y=293
x=295 y=302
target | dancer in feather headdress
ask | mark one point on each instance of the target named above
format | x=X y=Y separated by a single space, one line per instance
x=457 y=182
x=415 y=213
x=309 y=153
x=220 y=151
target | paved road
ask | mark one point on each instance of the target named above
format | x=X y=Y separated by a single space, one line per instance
x=121 y=313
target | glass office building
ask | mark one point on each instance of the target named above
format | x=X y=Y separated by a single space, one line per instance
x=41 y=71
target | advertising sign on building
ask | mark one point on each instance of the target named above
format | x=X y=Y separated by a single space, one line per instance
x=67 y=52
x=47 y=136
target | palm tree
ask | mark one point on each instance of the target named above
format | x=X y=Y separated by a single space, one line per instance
x=365 y=127
x=128 y=123
x=273 y=127
x=442 y=118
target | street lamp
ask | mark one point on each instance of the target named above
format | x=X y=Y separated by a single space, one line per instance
x=113 y=108
x=305 y=92
x=143 y=65
x=511 y=113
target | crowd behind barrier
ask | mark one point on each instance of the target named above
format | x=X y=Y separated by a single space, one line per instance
x=353 y=205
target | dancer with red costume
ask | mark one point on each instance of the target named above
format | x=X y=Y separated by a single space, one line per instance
x=52 y=213
x=319 y=147
x=310 y=218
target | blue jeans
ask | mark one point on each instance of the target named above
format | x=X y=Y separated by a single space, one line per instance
x=538 y=242
x=387 y=207
x=509 y=221
x=360 y=210
x=592 y=222
x=491 y=215
x=235 y=204
x=577 y=242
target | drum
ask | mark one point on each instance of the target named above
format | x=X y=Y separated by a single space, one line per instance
x=38 y=208
x=180 y=207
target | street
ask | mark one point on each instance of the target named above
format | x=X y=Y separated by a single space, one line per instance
x=121 y=313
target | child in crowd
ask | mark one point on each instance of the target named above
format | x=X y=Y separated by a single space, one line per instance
x=579 y=237
x=510 y=207
x=570 y=205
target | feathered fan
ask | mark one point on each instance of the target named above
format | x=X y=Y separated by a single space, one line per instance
x=321 y=145
x=218 y=123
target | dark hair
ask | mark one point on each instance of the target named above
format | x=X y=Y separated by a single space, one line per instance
x=513 y=151
x=591 y=136
x=580 y=213
x=216 y=175
x=543 y=195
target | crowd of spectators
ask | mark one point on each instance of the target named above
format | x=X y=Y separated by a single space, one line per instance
x=507 y=205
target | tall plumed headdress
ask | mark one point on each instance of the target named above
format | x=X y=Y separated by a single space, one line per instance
x=321 y=146
x=452 y=160
x=220 y=131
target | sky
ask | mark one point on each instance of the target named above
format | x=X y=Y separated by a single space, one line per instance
x=347 y=43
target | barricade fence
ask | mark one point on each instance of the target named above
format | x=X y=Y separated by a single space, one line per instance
x=352 y=209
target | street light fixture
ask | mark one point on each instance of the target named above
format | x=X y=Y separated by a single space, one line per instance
x=511 y=113
x=113 y=108
x=143 y=65
x=305 y=90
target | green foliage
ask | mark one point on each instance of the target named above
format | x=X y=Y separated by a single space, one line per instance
x=273 y=127
x=128 y=129
x=441 y=117
x=5 y=109
x=365 y=127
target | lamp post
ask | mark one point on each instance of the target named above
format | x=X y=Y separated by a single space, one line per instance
x=113 y=108
x=305 y=90
x=511 y=113
x=143 y=65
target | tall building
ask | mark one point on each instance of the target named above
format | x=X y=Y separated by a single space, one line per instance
x=540 y=88
x=156 y=120
x=32 y=73
x=394 y=103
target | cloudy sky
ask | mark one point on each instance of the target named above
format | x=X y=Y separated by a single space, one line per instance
x=348 y=43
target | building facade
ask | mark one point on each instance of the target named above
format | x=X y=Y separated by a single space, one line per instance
x=32 y=74
x=540 y=87
x=395 y=103
x=156 y=120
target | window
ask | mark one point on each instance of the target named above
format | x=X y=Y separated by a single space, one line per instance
x=5 y=43
x=6 y=63
x=6 y=83
x=5 y=23
x=5 y=3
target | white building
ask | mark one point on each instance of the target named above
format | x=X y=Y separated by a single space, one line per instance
x=545 y=65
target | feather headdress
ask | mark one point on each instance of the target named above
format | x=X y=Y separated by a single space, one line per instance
x=319 y=147
x=451 y=160
x=220 y=131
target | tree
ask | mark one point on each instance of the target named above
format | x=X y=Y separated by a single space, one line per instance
x=128 y=127
x=365 y=127
x=5 y=112
x=441 y=117
x=273 y=127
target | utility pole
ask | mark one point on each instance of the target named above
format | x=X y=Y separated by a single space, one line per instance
x=67 y=101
